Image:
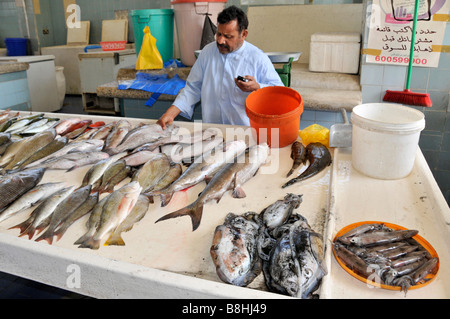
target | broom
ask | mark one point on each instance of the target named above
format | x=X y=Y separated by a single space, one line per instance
x=406 y=96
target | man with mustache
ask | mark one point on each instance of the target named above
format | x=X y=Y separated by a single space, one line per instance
x=214 y=77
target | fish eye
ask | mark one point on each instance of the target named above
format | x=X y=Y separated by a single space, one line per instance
x=307 y=272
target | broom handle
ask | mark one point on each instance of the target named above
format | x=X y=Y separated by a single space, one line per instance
x=413 y=41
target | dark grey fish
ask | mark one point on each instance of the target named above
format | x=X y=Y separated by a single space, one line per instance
x=298 y=154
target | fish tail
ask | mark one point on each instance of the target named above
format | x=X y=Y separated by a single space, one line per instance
x=84 y=238
x=290 y=172
x=289 y=183
x=166 y=198
x=194 y=210
x=23 y=226
x=115 y=241
x=91 y=243
x=47 y=236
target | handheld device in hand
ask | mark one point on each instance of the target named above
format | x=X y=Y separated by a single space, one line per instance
x=241 y=78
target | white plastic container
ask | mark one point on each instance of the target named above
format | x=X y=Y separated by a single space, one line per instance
x=385 y=139
x=336 y=52
x=190 y=18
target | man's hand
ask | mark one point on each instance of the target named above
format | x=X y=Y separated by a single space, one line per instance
x=249 y=86
x=168 y=117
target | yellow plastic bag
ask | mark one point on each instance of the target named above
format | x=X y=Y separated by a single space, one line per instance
x=315 y=133
x=149 y=57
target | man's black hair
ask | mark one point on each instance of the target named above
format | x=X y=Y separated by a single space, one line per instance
x=233 y=13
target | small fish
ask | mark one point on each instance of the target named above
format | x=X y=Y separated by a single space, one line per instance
x=94 y=174
x=93 y=221
x=63 y=211
x=201 y=170
x=115 y=174
x=119 y=205
x=152 y=172
x=72 y=161
x=231 y=177
x=117 y=134
x=137 y=213
x=30 y=198
x=139 y=158
x=103 y=132
x=298 y=154
x=30 y=126
x=82 y=210
x=172 y=175
x=234 y=249
x=382 y=237
x=179 y=153
x=64 y=125
x=40 y=217
x=79 y=129
x=141 y=135
x=47 y=150
x=319 y=158
x=14 y=185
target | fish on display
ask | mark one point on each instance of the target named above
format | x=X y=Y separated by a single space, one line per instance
x=279 y=212
x=72 y=161
x=52 y=147
x=78 y=129
x=72 y=147
x=319 y=158
x=230 y=177
x=5 y=141
x=93 y=221
x=298 y=154
x=172 y=175
x=152 y=172
x=63 y=127
x=137 y=213
x=94 y=174
x=179 y=153
x=82 y=210
x=118 y=206
x=14 y=185
x=40 y=217
x=113 y=175
x=31 y=145
x=234 y=249
x=103 y=132
x=64 y=210
x=30 y=198
x=296 y=265
x=139 y=158
x=10 y=151
x=143 y=134
x=117 y=134
x=201 y=170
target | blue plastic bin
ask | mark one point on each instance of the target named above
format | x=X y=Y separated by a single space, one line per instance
x=16 y=46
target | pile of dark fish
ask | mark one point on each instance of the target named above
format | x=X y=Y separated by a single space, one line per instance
x=385 y=256
x=277 y=242
x=316 y=154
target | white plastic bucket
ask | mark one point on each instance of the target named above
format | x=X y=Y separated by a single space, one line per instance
x=385 y=139
x=190 y=19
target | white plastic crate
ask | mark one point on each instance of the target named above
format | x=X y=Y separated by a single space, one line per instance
x=336 y=52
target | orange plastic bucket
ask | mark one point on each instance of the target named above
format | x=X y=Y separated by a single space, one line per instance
x=274 y=114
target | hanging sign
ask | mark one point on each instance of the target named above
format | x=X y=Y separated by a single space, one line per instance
x=391 y=22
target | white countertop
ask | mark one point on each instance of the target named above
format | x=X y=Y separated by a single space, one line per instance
x=168 y=260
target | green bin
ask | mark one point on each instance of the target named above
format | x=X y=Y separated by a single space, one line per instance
x=160 y=22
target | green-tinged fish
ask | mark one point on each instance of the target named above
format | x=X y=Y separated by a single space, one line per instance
x=115 y=174
x=94 y=174
x=93 y=221
x=14 y=185
x=30 y=198
x=31 y=126
x=40 y=217
x=143 y=134
x=5 y=142
x=37 y=129
x=202 y=169
x=117 y=134
x=118 y=206
x=152 y=172
x=84 y=209
x=30 y=146
x=138 y=212
x=231 y=177
x=64 y=210
x=10 y=151
x=72 y=161
x=72 y=147
x=172 y=175
x=20 y=124
x=47 y=150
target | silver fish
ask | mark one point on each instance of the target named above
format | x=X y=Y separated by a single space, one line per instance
x=201 y=170
x=234 y=249
x=296 y=266
x=118 y=206
x=115 y=174
x=139 y=158
x=63 y=211
x=179 y=153
x=137 y=213
x=141 y=135
x=40 y=217
x=231 y=177
x=14 y=185
x=72 y=161
x=93 y=221
x=47 y=150
x=94 y=174
x=117 y=134
x=103 y=132
x=30 y=198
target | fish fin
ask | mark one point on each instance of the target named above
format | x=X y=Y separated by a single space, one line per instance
x=290 y=182
x=238 y=192
x=194 y=211
x=115 y=241
x=47 y=236
x=166 y=198
x=23 y=226
x=91 y=243
x=290 y=172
